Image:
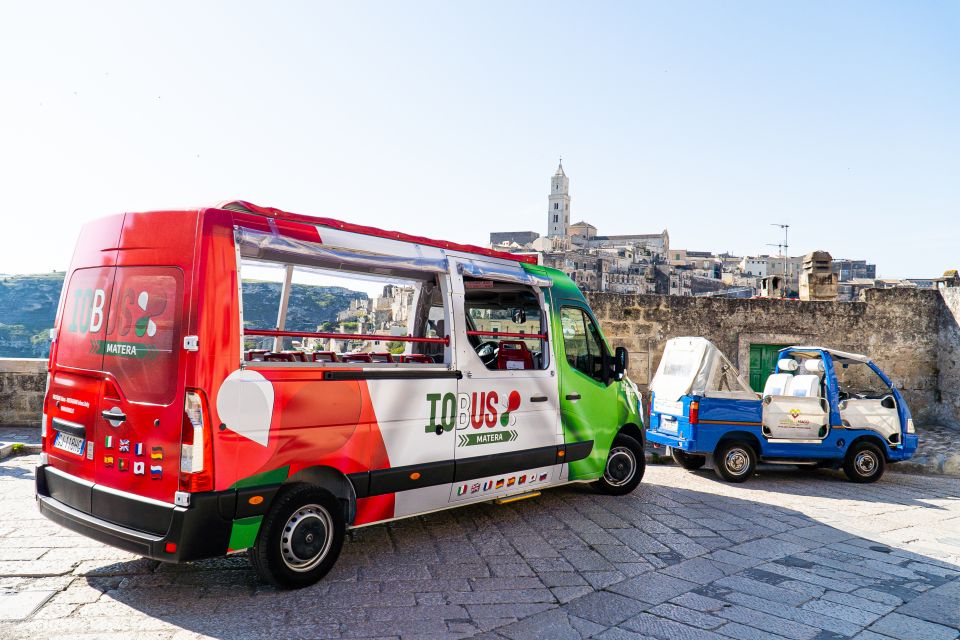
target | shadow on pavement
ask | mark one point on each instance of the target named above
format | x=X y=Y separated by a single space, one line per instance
x=573 y=562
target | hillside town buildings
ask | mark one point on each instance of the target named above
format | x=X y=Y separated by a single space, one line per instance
x=647 y=263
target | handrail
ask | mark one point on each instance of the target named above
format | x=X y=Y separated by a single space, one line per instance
x=343 y=336
x=504 y=334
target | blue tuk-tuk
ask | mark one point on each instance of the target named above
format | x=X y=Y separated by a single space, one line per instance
x=820 y=408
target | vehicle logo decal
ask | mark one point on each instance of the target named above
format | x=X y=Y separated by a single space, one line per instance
x=470 y=439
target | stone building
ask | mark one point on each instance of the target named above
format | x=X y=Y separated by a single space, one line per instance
x=818 y=281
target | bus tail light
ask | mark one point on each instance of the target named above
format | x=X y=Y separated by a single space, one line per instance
x=196 y=444
x=694 y=412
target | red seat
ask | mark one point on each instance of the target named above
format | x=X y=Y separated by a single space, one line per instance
x=416 y=357
x=325 y=356
x=356 y=357
x=514 y=355
x=298 y=356
x=254 y=354
x=382 y=356
x=279 y=357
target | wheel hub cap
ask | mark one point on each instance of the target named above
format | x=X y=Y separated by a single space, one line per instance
x=865 y=463
x=736 y=461
x=621 y=466
x=306 y=538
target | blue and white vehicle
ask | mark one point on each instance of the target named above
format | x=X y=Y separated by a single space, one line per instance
x=820 y=408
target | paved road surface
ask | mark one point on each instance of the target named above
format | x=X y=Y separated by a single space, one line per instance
x=789 y=554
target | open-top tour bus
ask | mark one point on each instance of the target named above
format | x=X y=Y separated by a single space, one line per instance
x=182 y=422
x=821 y=407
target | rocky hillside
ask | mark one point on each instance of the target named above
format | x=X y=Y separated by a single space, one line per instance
x=28 y=306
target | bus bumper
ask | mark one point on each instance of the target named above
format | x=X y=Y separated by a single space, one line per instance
x=147 y=528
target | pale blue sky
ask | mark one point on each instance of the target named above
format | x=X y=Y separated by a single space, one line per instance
x=712 y=119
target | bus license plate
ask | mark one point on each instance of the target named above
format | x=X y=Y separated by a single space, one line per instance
x=70 y=443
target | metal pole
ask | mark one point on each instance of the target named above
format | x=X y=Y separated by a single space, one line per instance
x=284 y=301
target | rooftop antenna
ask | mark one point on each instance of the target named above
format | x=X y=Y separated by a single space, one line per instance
x=784 y=248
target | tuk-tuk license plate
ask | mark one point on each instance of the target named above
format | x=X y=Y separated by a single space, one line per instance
x=670 y=408
x=70 y=443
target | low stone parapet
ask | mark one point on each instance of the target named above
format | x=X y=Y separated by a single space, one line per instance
x=22 y=383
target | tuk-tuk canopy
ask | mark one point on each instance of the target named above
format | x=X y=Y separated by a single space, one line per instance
x=695 y=366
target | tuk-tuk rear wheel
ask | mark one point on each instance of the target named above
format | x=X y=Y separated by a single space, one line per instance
x=689 y=461
x=735 y=460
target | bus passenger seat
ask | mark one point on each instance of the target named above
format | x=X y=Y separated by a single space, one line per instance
x=356 y=357
x=513 y=354
x=382 y=356
x=325 y=356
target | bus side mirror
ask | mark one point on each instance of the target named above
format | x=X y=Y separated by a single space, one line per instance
x=621 y=360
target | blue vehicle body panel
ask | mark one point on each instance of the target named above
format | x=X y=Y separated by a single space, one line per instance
x=721 y=417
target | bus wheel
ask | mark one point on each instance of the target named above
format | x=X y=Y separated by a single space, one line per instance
x=300 y=538
x=864 y=463
x=735 y=460
x=624 y=468
x=689 y=461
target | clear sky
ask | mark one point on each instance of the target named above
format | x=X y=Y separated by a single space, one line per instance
x=710 y=119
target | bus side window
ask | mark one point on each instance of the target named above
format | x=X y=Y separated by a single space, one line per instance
x=581 y=342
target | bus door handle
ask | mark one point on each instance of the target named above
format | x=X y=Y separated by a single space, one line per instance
x=539 y=398
x=573 y=397
x=114 y=415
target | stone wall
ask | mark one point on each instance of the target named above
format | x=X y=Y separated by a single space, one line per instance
x=900 y=329
x=22 y=382
x=949 y=360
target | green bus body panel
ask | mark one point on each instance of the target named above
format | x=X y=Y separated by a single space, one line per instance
x=602 y=409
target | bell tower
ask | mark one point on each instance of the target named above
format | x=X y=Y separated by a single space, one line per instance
x=558 y=206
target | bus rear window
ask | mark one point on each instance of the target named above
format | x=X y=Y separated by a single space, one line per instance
x=83 y=322
x=140 y=347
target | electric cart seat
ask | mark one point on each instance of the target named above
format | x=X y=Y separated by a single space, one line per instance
x=776 y=384
x=805 y=386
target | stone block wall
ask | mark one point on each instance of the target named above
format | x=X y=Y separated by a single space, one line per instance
x=900 y=329
x=949 y=359
x=22 y=383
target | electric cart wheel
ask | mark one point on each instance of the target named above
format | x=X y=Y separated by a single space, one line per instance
x=864 y=463
x=300 y=538
x=735 y=460
x=624 y=468
x=689 y=461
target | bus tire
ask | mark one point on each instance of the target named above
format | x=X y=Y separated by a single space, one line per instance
x=300 y=538
x=864 y=462
x=735 y=460
x=624 y=468
x=689 y=461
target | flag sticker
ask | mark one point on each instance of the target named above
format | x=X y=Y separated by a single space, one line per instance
x=124 y=446
x=138 y=449
x=500 y=483
x=512 y=481
x=461 y=490
x=488 y=485
x=156 y=471
x=108 y=442
x=475 y=487
x=543 y=477
x=522 y=479
x=108 y=461
x=156 y=453
x=138 y=467
x=123 y=464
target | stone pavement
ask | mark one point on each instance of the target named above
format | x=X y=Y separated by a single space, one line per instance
x=786 y=555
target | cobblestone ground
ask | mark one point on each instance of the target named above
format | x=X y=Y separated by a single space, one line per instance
x=789 y=554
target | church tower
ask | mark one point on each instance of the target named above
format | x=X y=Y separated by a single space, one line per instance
x=558 y=206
